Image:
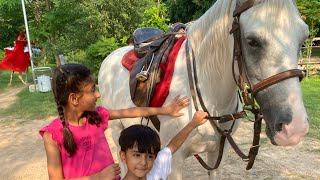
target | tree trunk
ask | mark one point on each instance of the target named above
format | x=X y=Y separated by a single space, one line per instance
x=48 y=5
x=56 y=57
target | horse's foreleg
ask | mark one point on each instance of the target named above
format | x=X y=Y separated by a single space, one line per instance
x=212 y=157
x=211 y=161
x=177 y=166
x=21 y=79
x=10 y=82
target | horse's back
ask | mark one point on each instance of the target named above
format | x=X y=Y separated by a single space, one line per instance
x=113 y=79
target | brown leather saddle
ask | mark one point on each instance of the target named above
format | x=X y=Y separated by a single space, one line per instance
x=152 y=47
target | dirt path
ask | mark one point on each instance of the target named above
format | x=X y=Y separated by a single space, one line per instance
x=22 y=155
x=9 y=96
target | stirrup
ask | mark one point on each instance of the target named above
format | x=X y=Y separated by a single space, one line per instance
x=144 y=75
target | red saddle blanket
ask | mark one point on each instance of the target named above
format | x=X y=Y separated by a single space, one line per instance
x=16 y=59
x=161 y=90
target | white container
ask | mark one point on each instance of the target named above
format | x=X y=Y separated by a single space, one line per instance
x=44 y=83
x=32 y=88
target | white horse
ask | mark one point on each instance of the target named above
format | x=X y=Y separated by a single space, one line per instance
x=272 y=33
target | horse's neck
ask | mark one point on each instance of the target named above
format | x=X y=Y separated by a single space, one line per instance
x=213 y=48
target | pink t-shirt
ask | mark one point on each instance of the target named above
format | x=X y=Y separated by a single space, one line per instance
x=93 y=153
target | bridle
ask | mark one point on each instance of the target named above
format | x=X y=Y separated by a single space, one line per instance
x=247 y=90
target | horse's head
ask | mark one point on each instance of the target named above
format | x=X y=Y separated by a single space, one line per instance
x=272 y=33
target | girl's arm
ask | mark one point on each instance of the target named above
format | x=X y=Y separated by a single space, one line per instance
x=55 y=167
x=171 y=109
x=53 y=157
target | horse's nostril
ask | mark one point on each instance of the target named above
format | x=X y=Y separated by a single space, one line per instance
x=278 y=127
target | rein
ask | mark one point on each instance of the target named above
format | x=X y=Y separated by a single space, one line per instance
x=248 y=93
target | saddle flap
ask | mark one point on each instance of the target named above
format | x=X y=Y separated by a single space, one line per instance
x=138 y=89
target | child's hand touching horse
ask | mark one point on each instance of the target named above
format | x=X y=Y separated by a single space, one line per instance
x=172 y=109
x=176 y=105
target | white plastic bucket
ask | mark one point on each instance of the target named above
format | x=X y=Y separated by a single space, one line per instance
x=44 y=83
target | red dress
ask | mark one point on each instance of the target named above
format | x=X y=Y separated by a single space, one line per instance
x=16 y=59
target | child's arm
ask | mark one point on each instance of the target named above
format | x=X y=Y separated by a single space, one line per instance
x=178 y=140
x=55 y=166
x=53 y=157
x=171 y=109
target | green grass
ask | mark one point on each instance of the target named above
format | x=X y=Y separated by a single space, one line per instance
x=32 y=106
x=311 y=96
x=28 y=105
x=5 y=78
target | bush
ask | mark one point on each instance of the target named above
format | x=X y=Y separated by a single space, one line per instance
x=97 y=52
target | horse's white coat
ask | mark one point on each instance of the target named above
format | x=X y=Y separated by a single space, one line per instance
x=213 y=46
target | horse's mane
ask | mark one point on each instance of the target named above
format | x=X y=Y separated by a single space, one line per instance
x=210 y=38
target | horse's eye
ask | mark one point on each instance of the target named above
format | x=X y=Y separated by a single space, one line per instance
x=253 y=43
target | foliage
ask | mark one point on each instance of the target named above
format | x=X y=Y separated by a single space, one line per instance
x=11 y=22
x=156 y=16
x=310 y=10
x=117 y=18
x=97 y=52
x=59 y=26
x=186 y=11
x=1 y=54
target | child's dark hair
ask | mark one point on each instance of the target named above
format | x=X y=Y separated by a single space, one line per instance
x=130 y=40
x=67 y=79
x=145 y=138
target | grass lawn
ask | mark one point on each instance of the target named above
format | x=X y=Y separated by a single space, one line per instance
x=5 y=78
x=41 y=105
x=311 y=96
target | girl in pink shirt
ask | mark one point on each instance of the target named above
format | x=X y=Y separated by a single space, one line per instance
x=75 y=143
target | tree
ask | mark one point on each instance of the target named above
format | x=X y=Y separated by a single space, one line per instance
x=156 y=16
x=186 y=11
x=11 y=21
x=310 y=12
x=97 y=52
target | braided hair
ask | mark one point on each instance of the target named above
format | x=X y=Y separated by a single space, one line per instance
x=67 y=79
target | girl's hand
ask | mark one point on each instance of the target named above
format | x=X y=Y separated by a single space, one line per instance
x=111 y=172
x=176 y=105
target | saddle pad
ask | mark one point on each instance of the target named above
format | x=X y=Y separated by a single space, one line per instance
x=162 y=88
x=129 y=59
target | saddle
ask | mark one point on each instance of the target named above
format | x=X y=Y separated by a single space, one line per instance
x=153 y=48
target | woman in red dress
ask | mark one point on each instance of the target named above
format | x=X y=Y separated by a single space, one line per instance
x=16 y=59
